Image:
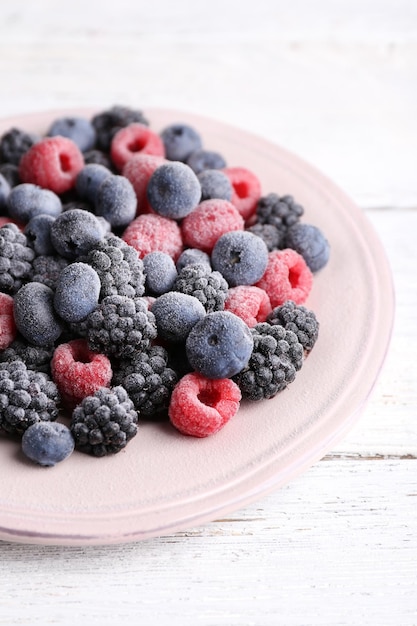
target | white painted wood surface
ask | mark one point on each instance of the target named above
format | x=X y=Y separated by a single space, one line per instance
x=335 y=82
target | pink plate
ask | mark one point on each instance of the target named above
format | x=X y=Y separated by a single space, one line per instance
x=164 y=482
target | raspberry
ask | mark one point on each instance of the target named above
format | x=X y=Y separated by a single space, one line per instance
x=246 y=190
x=149 y=233
x=104 y=422
x=107 y=123
x=8 y=329
x=78 y=372
x=52 y=163
x=249 y=303
x=26 y=397
x=209 y=220
x=299 y=320
x=134 y=139
x=139 y=170
x=276 y=357
x=209 y=287
x=287 y=277
x=200 y=407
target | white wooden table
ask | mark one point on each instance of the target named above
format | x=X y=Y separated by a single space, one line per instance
x=335 y=82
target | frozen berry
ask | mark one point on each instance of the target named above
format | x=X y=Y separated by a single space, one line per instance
x=38 y=234
x=89 y=180
x=269 y=233
x=16 y=258
x=287 y=277
x=35 y=314
x=116 y=201
x=209 y=220
x=249 y=303
x=160 y=273
x=75 y=232
x=108 y=122
x=219 y=345
x=47 y=443
x=78 y=371
x=191 y=256
x=149 y=233
x=200 y=160
x=299 y=320
x=4 y=193
x=201 y=407
x=8 y=328
x=10 y=174
x=37 y=358
x=240 y=257
x=309 y=241
x=173 y=190
x=215 y=184
x=27 y=200
x=176 y=314
x=180 y=140
x=282 y=212
x=78 y=129
x=14 y=143
x=138 y=171
x=77 y=292
x=47 y=268
x=52 y=163
x=246 y=190
x=134 y=139
x=209 y=287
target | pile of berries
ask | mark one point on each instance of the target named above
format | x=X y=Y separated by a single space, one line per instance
x=142 y=277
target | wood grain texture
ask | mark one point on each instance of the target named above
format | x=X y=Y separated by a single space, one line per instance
x=336 y=82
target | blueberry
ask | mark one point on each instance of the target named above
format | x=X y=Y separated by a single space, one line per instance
x=191 y=256
x=219 y=345
x=4 y=193
x=38 y=234
x=309 y=241
x=47 y=443
x=173 y=190
x=74 y=232
x=27 y=200
x=116 y=201
x=78 y=129
x=35 y=315
x=205 y=160
x=215 y=184
x=241 y=257
x=89 y=180
x=180 y=140
x=77 y=292
x=160 y=272
x=175 y=314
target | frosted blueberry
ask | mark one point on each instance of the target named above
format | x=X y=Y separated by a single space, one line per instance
x=309 y=241
x=38 y=234
x=79 y=129
x=74 y=232
x=27 y=200
x=35 y=315
x=47 y=443
x=89 y=180
x=180 y=140
x=241 y=257
x=173 y=190
x=160 y=272
x=77 y=292
x=175 y=315
x=116 y=201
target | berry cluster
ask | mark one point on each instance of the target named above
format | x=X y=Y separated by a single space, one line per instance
x=141 y=277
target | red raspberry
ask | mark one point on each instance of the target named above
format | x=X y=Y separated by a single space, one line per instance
x=246 y=190
x=8 y=330
x=152 y=233
x=138 y=171
x=52 y=163
x=134 y=139
x=209 y=220
x=287 y=277
x=200 y=406
x=249 y=303
x=78 y=372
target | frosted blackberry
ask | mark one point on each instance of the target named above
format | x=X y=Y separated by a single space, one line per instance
x=97 y=157
x=26 y=397
x=105 y=422
x=36 y=358
x=282 y=212
x=11 y=173
x=208 y=286
x=16 y=258
x=148 y=381
x=271 y=235
x=13 y=145
x=276 y=357
x=46 y=269
x=299 y=320
x=108 y=122
x=119 y=326
x=118 y=266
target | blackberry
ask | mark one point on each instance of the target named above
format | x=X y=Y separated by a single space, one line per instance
x=26 y=397
x=209 y=287
x=13 y=145
x=299 y=320
x=11 y=173
x=108 y=122
x=16 y=258
x=37 y=358
x=119 y=326
x=276 y=357
x=105 y=422
x=98 y=157
x=148 y=381
x=46 y=269
x=272 y=237
x=282 y=212
x=118 y=266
